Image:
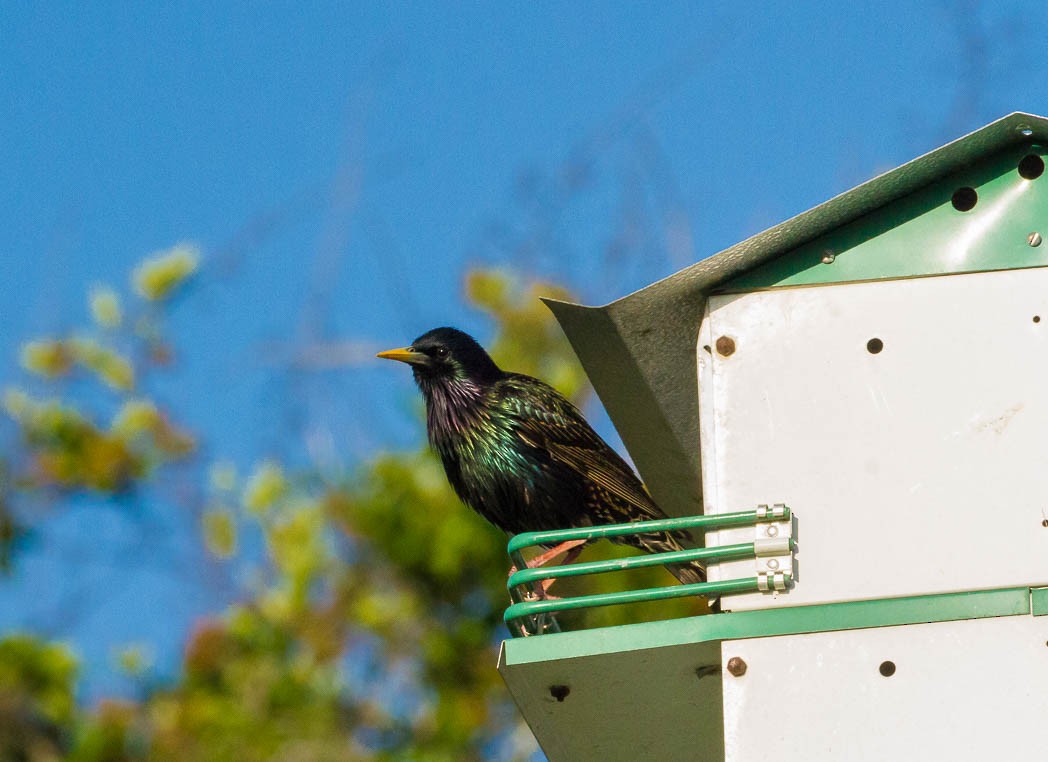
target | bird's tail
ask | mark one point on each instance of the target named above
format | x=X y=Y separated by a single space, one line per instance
x=687 y=574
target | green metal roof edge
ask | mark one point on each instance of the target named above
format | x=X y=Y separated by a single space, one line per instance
x=639 y=351
x=850 y=615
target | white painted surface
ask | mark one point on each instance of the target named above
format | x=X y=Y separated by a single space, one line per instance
x=920 y=469
x=968 y=690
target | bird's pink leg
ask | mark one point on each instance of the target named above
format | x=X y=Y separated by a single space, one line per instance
x=569 y=549
x=544 y=558
x=569 y=556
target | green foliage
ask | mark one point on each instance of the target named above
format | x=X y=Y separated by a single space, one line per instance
x=67 y=450
x=105 y=307
x=43 y=670
x=265 y=486
x=67 y=446
x=160 y=275
x=220 y=532
x=52 y=358
x=380 y=568
x=37 y=704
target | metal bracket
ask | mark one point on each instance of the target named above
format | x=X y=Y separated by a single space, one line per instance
x=777 y=512
x=773 y=546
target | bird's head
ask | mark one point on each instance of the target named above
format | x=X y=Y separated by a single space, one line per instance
x=446 y=356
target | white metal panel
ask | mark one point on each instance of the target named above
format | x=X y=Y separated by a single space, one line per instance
x=920 y=469
x=967 y=690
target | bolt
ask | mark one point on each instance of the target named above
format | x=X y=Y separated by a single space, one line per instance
x=828 y=257
x=736 y=667
x=725 y=346
x=1034 y=239
x=772 y=531
x=559 y=692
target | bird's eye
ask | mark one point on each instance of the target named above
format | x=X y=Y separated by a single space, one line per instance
x=441 y=352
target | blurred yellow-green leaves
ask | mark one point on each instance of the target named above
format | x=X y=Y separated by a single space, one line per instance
x=162 y=273
x=369 y=609
x=104 y=304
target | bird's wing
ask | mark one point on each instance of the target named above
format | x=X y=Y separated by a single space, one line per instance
x=548 y=421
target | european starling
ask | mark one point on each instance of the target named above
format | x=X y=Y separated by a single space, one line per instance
x=521 y=455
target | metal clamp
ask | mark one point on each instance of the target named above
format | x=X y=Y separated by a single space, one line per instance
x=773 y=547
x=768 y=583
x=777 y=512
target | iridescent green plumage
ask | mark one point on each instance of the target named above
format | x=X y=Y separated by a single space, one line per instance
x=520 y=454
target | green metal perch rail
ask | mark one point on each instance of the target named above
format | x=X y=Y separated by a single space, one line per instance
x=537 y=612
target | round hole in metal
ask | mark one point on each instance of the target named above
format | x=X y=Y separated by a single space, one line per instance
x=964 y=199
x=1031 y=166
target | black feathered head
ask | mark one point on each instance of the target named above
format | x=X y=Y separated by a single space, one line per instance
x=446 y=356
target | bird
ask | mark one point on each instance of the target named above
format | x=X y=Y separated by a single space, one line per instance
x=521 y=455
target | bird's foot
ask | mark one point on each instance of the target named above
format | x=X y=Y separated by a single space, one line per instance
x=540 y=594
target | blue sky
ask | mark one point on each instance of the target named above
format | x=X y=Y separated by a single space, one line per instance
x=341 y=163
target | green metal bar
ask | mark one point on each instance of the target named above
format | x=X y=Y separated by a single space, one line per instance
x=1039 y=601
x=762 y=623
x=527 y=576
x=555 y=537
x=725 y=587
x=544 y=623
x=519 y=563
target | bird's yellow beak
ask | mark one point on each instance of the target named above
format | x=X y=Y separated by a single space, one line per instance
x=404 y=354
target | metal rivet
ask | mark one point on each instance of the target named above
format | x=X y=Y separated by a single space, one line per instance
x=1044 y=523
x=1034 y=239
x=773 y=563
x=828 y=257
x=725 y=346
x=736 y=667
x=887 y=668
x=771 y=531
x=559 y=692
x=1024 y=130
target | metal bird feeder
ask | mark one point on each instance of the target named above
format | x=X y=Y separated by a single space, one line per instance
x=878 y=364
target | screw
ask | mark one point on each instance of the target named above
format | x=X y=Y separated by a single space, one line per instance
x=725 y=346
x=1034 y=239
x=887 y=668
x=828 y=257
x=736 y=667
x=1044 y=523
x=559 y=692
x=771 y=531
